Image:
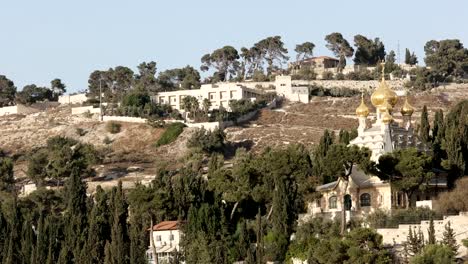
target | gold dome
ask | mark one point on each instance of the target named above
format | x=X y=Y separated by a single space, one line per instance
x=385 y=106
x=407 y=109
x=362 y=110
x=383 y=93
x=386 y=117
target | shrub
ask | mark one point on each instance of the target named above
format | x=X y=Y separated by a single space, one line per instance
x=113 y=127
x=87 y=114
x=80 y=132
x=171 y=134
x=327 y=75
x=208 y=141
x=380 y=219
x=107 y=140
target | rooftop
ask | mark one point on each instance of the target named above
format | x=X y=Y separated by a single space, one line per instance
x=167 y=225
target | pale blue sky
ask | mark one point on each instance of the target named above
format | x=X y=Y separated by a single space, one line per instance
x=47 y=39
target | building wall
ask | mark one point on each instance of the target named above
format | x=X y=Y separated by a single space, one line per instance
x=397 y=85
x=128 y=119
x=219 y=95
x=165 y=238
x=459 y=223
x=83 y=109
x=73 y=99
x=17 y=109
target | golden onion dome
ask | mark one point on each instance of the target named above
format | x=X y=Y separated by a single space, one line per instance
x=384 y=93
x=386 y=117
x=407 y=109
x=386 y=106
x=362 y=110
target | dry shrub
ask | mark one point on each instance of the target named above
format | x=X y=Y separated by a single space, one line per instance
x=455 y=200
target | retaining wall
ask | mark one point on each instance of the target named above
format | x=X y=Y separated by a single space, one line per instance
x=128 y=119
x=83 y=109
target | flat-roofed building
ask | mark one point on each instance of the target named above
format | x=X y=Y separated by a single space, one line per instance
x=218 y=94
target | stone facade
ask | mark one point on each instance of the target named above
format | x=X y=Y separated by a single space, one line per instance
x=218 y=94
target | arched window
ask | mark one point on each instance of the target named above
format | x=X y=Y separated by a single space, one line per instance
x=365 y=199
x=332 y=202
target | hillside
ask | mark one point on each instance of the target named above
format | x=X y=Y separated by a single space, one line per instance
x=131 y=156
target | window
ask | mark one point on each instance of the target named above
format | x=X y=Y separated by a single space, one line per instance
x=171 y=237
x=332 y=202
x=158 y=238
x=365 y=199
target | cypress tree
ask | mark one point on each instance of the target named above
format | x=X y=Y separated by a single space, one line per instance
x=259 y=235
x=424 y=126
x=12 y=248
x=431 y=239
x=27 y=241
x=138 y=240
x=407 y=56
x=99 y=228
x=437 y=138
x=449 y=238
x=76 y=217
x=119 y=246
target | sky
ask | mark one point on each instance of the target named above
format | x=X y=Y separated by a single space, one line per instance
x=47 y=39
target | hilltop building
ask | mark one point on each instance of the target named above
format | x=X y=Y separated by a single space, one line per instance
x=367 y=193
x=166 y=238
x=218 y=94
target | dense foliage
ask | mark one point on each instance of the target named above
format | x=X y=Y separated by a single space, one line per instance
x=170 y=134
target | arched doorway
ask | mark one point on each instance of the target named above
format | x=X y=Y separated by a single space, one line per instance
x=347 y=202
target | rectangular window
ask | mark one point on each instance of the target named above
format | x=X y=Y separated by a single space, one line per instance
x=171 y=237
x=158 y=238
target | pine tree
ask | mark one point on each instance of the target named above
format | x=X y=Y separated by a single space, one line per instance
x=449 y=238
x=431 y=239
x=424 y=126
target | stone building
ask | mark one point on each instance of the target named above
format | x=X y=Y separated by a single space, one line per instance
x=166 y=238
x=218 y=94
x=366 y=193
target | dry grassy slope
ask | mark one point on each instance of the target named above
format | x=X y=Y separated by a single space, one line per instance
x=305 y=123
x=133 y=146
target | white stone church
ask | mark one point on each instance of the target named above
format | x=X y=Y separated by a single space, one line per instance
x=366 y=193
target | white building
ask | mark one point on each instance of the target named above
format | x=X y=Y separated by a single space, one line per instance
x=17 y=110
x=365 y=193
x=219 y=95
x=73 y=99
x=166 y=237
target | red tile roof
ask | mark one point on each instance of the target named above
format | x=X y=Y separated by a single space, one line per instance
x=166 y=225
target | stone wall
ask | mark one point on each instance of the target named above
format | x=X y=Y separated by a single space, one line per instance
x=84 y=109
x=128 y=119
x=17 y=109
x=355 y=85
x=459 y=223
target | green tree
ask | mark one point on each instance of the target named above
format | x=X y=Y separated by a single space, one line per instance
x=431 y=239
x=272 y=50
x=304 y=50
x=414 y=242
x=410 y=58
x=408 y=170
x=446 y=58
x=119 y=245
x=7 y=91
x=340 y=47
x=7 y=180
x=424 y=126
x=58 y=87
x=145 y=80
x=223 y=60
x=76 y=219
x=185 y=78
x=99 y=228
x=434 y=254
x=365 y=246
x=368 y=52
x=32 y=93
x=448 y=238
x=455 y=141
